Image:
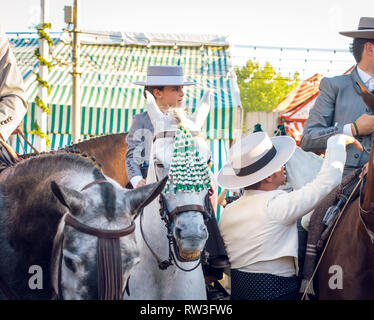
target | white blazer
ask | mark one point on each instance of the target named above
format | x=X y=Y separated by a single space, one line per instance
x=261 y=225
x=13 y=104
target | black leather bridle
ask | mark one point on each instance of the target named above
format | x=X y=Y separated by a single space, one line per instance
x=167 y=216
x=109 y=262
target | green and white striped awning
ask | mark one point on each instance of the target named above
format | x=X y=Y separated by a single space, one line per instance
x=109 y=99
x=23 y=50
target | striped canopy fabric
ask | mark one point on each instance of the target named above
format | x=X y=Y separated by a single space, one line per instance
x=109 y=99
x=296 y=106
x=300 y=94
x=23 y=49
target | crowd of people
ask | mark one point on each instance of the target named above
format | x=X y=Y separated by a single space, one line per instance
x=257 y=237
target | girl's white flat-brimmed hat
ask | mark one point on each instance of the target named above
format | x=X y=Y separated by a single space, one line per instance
x=254 y=158
x=164 y=76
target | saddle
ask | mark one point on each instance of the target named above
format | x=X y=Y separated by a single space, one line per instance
x=322 y=222
x=332 y=213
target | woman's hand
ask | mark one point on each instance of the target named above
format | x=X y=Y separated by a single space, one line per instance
x=141 y=183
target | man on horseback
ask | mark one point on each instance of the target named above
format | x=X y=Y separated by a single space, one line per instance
x=13 y=104
x=259 y=229
x=339 y=107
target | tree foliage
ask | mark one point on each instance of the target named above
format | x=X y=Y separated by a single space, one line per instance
x=261 y=89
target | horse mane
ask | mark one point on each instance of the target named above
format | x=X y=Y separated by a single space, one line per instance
x=26 y=195
x=74 y=148
x=95 y=140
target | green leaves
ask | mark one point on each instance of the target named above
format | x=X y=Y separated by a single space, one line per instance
x=42 y=83
x=41 y=60
x=42 y=34
x=37 y=131
x=39 y=102
x=261 y=89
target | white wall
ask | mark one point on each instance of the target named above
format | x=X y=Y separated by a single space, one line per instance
x=267 y=119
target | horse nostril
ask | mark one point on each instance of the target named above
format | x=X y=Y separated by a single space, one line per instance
x=203 y=230
x=178 y=233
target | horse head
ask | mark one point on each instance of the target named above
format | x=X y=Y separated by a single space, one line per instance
x=187 y=207
x=302 y=168
x=95 y=249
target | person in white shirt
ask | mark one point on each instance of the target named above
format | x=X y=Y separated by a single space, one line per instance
x=339 y=107
x=259 y=229
x=13 y=105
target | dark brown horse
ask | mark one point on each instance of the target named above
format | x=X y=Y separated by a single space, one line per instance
x=110 y=151
x=346 y=270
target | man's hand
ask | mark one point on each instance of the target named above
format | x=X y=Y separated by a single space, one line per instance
x=364 y=170
x=352 y=140
x=141 y=183
x=365 y=125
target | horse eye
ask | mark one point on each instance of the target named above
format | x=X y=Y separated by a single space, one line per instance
x=159 y=165
x=70 y=264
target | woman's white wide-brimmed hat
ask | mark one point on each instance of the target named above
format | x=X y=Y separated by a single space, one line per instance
x=164 y=76
x=365 y=29
x=254 y=158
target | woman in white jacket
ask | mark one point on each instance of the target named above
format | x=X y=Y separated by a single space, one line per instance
x=259 y=230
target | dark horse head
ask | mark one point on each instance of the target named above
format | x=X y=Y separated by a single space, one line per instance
x=34 y=196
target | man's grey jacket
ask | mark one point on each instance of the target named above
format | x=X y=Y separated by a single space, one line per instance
x=139 y=141
x=339 y=102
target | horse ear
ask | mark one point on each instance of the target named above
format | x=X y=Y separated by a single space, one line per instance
x=70 y=198
x=202 y=110
x=142 y=196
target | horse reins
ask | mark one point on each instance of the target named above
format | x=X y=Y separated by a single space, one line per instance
x=329 y=238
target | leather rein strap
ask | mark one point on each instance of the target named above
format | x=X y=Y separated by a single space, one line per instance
x=109 y=262
x=21 y=135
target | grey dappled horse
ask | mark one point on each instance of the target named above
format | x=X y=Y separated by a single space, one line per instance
x=302 y=167
x=148 y=281
x=41 y=194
